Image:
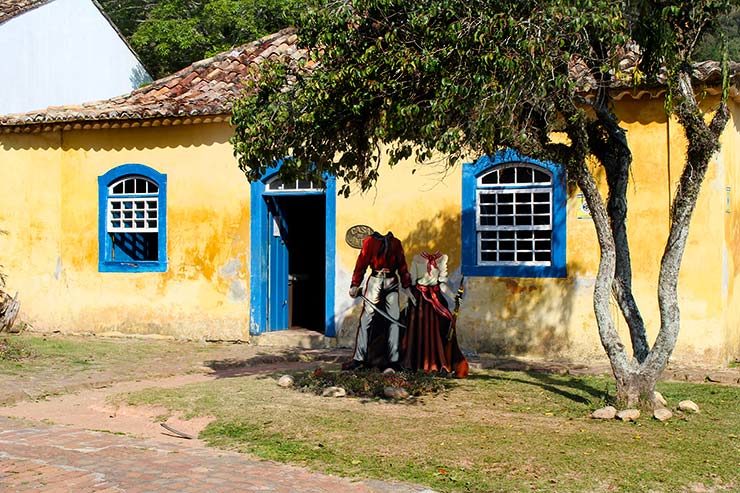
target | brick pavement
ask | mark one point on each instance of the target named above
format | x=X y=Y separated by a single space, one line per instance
x=43 y=458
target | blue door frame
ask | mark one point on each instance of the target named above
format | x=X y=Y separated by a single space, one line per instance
x=261 y=234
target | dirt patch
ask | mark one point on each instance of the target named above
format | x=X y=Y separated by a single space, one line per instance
x=92 y=409
x=95 y=409
x=50 y=364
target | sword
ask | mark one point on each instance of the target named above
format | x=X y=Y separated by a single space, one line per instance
x=458 y=297
x=380 y=310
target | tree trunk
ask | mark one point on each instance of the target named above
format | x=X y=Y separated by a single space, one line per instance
x=637 y=390
x=617 y=159
x=636 y=378
x=608 y=142
x=621 y=366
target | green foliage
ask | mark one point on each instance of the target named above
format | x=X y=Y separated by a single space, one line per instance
x=171 y=34
x=710 y=46
x=433 y=76
x=127 y=14
x=448 y=78
x=669 y=30
x=371 y=383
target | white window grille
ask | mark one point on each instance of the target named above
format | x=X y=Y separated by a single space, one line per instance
x=514 y=216
x=276 y=184
x=133 y=206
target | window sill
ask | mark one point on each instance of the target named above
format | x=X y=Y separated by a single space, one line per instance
x=514 y=271
x=132 y=267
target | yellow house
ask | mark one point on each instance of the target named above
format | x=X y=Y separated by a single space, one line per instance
x=130 y=215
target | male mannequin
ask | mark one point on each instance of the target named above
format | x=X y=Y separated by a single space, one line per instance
x=384 y=255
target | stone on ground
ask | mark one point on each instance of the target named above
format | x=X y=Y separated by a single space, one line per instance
x=659 y=399
x=334 y=392
x=607 y=412
x=662 y=414
x=395 y=393
x=286 y=381
x=688 y=406
x=628 y=414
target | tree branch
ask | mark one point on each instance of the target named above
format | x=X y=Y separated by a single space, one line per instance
x=702 y=144
x=610 y=340
x=609 y=143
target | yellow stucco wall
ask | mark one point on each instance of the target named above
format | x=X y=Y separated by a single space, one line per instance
x=554 y=317
x=49 y=206
x=731 y=253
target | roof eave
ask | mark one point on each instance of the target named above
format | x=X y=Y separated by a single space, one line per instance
x=22 y=11
x=105 y=124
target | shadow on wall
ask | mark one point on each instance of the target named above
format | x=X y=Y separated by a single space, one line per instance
x=509 y=316
x=347 y=326
x=117 y=139
x=503 y=316
x=441 y=232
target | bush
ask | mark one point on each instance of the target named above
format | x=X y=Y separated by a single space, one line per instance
x=11 y=350
x=370 y=384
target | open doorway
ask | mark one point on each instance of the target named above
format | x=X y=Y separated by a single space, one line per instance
x=298 y=261
x=293 y=254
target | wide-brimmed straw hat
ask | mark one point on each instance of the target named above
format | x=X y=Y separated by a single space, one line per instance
x=356 y=234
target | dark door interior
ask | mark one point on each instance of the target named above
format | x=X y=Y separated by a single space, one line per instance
x=305 y=231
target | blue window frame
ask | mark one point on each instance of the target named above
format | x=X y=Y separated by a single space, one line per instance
x=132 y=220
x=514 y=217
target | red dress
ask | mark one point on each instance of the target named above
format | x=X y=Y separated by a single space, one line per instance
x=428 y=344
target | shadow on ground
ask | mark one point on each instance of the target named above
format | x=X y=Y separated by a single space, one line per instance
x=551 y=376
x=271 y=361
x=558 y=386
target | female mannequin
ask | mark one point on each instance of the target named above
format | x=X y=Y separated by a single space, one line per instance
x=428 y=344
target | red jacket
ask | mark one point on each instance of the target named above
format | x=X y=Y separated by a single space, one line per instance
x=381 y=252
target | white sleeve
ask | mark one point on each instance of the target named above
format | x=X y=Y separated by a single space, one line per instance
x=442 y=265
x=412 y=271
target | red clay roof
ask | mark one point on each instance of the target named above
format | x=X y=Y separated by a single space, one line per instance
x=207 y=87
x=13 y=8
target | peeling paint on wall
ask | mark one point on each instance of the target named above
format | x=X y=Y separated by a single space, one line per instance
x=48 y=189
x=230 y=269
x=238 y=291
x=58 y=270
x=205 y=290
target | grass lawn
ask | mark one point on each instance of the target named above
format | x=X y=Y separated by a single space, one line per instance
x=495 y=431
x=33 y=365
x=24 y=354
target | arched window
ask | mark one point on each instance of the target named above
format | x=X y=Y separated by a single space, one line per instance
x=276 y=184
x=132 y=220
x=513 y=217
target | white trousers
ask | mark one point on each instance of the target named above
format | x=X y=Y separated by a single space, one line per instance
x=383 y=292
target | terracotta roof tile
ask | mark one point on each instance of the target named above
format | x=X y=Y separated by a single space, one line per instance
x=707 y=72
x=13 y=8
x=207 y=87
